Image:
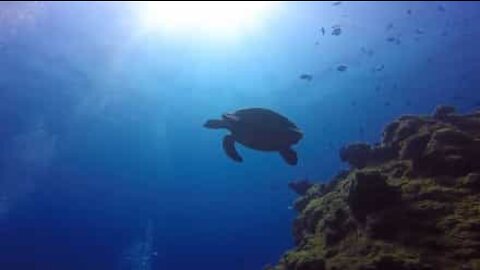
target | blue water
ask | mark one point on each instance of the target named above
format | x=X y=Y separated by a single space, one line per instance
x=104 y=163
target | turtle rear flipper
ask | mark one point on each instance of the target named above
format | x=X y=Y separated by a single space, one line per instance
x=290 y=156
x=229 y=147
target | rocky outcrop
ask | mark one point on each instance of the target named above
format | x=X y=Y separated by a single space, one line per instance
x=360 y=155
x=300 y=187
x=410 y=202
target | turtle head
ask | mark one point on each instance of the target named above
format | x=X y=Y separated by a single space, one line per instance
x=226 y=122
x=296 y=135
x=216 y=124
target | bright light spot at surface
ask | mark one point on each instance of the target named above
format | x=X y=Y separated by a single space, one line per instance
x=203 y=17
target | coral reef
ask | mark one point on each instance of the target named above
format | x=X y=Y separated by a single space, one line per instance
x=410 y=202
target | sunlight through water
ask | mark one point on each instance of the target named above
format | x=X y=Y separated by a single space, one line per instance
x=216 y=18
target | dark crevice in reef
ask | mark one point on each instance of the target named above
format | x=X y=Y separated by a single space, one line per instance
x=410 y=202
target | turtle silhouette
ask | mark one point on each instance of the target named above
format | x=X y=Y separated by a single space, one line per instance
x=259 y=129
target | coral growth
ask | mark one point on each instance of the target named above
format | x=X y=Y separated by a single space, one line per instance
x=411 y=202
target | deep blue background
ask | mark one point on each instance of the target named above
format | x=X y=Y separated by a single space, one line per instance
x=101 y=130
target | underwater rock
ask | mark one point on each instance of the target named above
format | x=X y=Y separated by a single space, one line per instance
x=368 y=193
x=301 y=203
x=300 y=187
x=451 y=137
x=360 y=155
x=414 y=146
x=410 y=202
x=442 y=111
x=449 y=152
x=314 y=191
x=471 y=181
x=308 y=263
x=356 y=154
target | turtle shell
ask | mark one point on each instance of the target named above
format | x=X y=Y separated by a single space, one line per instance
x=263 y=129
x=262 y=118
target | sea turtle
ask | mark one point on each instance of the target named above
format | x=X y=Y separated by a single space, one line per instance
x=259 y=129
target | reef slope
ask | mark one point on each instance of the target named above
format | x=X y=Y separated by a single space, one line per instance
x=409 y=202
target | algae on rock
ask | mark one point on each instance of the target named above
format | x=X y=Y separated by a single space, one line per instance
x=411 y=202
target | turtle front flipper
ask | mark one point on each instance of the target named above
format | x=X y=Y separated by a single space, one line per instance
x=229 y=147
x=290 y=156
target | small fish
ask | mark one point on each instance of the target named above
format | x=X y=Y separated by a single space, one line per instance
x=394 y=40
x=353 y=103
x=409 y=11
x=337 y=3
x=389 y=26
x=391 y=39
x=378 y=88
x=337 y=31
x=366 y=51
x=408 y=103
x=387 y=103
x=419 y=31
x=322 y=30
x=316 y=43
x=379 y=68
x=441 y=8
x=306 y=77
x=342 y=68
